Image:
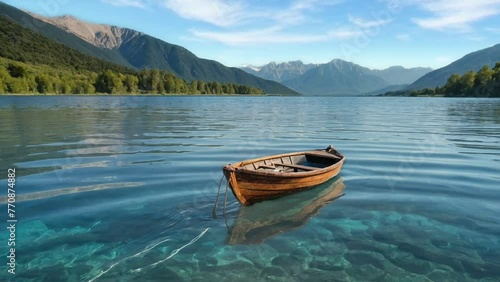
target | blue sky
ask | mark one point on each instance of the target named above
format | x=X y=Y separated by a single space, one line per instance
x=375 y=34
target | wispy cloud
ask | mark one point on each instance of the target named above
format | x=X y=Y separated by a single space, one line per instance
x=216 y=12
x=298 y=12
x=362 y=23
x=237 y=22
x=272 y=35
x=403 y=37
x=226 y=13
x=455 y=15
x=127 y=3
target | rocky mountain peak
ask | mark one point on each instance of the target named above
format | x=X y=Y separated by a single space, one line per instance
x=100 y=35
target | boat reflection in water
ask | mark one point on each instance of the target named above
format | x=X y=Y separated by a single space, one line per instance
x=254 y=224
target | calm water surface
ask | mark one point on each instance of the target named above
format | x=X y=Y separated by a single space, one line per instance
x=122 y=189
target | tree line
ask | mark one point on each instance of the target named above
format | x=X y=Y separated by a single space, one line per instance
x=483 y=83
x=31 y=63
x=25 y=78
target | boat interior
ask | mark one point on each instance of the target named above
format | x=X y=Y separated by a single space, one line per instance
x=295 y=163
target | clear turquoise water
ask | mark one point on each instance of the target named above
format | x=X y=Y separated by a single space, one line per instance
x=130 y=184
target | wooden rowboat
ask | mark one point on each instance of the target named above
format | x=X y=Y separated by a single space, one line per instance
x=257 y=223
x=274 y=176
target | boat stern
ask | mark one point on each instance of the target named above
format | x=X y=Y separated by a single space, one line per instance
x=229 y=173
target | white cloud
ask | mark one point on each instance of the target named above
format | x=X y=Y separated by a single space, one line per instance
x=455 y=15
x=297 y=12
x=403 y=37
x=237 y=22
x=226 y=13
x=367 y=23
x=216 y=12
x=129 y=3
x=272 y=35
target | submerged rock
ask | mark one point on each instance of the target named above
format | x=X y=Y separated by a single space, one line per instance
x=274 y=273
x=207 y=263
x=365 y=258
x=365 y=272
x=291 y=265
x=317 y=275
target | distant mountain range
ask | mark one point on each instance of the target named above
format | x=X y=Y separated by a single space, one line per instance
x=473 y=61
x=398 y=75
x=134 y=49
x=337 y=77
x=279 y=72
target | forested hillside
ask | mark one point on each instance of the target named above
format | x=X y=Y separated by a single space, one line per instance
x=32 y=63
x=484 y=83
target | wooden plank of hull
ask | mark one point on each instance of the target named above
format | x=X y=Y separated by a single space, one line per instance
x=251 y=188
x=266 y=183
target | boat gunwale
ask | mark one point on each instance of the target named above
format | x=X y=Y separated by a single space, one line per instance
x=238 y=166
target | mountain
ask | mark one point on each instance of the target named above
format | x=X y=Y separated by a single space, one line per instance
x=398 y=75
x=473 y=61
x=337 y=77
x=23 y=45
x=279 y=72
x=31 y=63
x=390 y=88
x=99 y=35
x=134 y=49
x=58 y=35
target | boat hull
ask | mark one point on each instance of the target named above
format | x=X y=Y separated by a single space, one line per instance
x=251 y=186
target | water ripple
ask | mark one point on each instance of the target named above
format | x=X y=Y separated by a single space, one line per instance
x=421 y=187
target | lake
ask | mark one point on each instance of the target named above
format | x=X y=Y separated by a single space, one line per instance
x=122 y=189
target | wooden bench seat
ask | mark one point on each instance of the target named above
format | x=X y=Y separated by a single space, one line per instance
x=301 y=167
x=266 y=166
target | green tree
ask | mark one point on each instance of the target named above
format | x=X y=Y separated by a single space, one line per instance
x=496 y=72
x=131 y=83
x=467 y=82
x=109 y=82
x=155 y=80
x=117 y=84
x=201 y=87
x=18 y=86
x=103 y=83
x=452 y=85
x=230 y=88
x=178 y=85
x=170 y=84
x=88 y=88
x=17 y=70
x=58 y=85
x=67 y=87
x=483 y=76
x=144 y=80
x=437 y=90
x=44 y=84
x=194 y=87
x=4 y=77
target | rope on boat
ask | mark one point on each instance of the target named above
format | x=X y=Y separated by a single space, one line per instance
x=214 y=213
x=225 y=200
